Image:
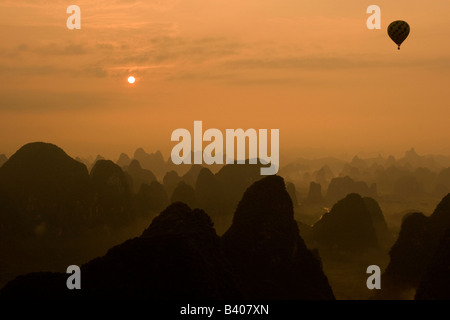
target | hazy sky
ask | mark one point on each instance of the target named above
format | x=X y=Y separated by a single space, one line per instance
x=309 y=68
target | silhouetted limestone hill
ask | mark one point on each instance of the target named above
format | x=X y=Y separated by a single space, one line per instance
x=208 y=190
x=124 y=160
x=10 y=221
x=97 y=158
x=426 y=180
x=440 y=219
x=184 y=193
x=407 y=186
x=388 y=178
x=353 y=172
x=177 y=257
x=324 y=175
x=363 y=170
x=152 y=198
x=390 y=161
x=190 y=177
x=170 y=181
x=435 y=284
x=139 y=175
x=305 y=231
x=342 y=186
x=321 y=168
x=86 y=161
x=443 y=182
x=226 y=188
x=416 y=245
x=290 y=188
x=179 y=219
x=382 y=232
x=411 y=158
x=410 y=254
x=112 y=194
x=107 y=175
x=358 y=162
x=266 y=250
x=220 y=193
x=46 y=187
x=236 y=179
x=43 y=170
x=211 y=197
x=348 y=227
x=314 y=194
x=3 y=159
x=151 y=161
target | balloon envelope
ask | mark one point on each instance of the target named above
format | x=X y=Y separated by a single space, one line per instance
x=398 y=31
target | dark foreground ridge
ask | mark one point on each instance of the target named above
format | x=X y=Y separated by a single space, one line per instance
x=177 y=257
x=420 y=253
x=435 y=284
x=266 y=250
x=180 y=256
x=354 y=225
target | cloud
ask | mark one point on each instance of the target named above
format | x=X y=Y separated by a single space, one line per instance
x=246 y=79
x=329 y=63
x=30 y=70
x=56 y=49
x=96 y=71
x=55 y=101
x=22 y=51
x=187 y=49
x=58 y=70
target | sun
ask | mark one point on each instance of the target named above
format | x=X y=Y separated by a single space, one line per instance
x=131 y=79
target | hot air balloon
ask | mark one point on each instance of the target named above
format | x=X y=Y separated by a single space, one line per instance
x=398 y=31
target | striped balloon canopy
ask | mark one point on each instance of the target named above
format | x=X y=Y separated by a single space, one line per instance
x=398 y=31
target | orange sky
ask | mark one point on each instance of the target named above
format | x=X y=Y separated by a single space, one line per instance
x=309 y=68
